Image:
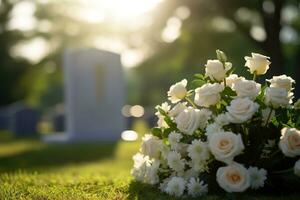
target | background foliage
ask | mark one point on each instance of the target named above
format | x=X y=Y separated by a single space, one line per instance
x=270 y=27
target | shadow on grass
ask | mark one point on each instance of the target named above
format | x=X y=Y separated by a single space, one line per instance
x=48 y=156
x=143 y=191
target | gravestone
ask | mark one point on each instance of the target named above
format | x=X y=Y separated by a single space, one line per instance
x=4 y=119
x=58 y=118
x=23 y=120
x=59 y=122
x=94 y=96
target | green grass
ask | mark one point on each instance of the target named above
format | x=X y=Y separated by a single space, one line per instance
x=30 y=169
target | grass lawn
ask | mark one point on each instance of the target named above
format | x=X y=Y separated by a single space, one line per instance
x=30 y=169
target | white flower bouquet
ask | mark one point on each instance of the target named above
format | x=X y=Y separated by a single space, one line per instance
x=226 y=133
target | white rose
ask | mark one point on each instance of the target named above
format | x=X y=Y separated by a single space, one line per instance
x=213 y=128
x=205 y=115
x=278 y=97
x=189 y=120
x=246 y=88
x=215 y=70
x=297 y=168
x=241 y=110
x=222 y=119
x=177 y=91
x=232 y=78
x=290 y=142
x=174 y=112
x=151 y=146
x=208 y=94
x=282 y=81
x=258 y=63
x=233 y=178
x=225 y=146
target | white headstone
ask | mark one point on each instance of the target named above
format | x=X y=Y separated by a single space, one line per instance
x=94 y=95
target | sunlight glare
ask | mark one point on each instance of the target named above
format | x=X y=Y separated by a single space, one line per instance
x=33 y=50
x=22 y=16
x=172 y=31
x=121 y=9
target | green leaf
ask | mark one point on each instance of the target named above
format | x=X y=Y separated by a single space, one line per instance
x=170 y=123
x=262 y=93
x=198 y=83
x=156 y=132
x=167 y=118
x=167 y=132
x=229 y=92
x=199 y=76
x=161 y=111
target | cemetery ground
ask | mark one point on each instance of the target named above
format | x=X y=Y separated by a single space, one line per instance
x=30 y=169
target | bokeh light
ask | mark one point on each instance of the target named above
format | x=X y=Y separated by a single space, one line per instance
x=129 y=135
x=126 y=111
x=137 y=111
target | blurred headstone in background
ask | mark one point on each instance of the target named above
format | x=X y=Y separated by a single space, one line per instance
x=23 y=120
x=94 y=96
x=4 y=119
x=58 y=118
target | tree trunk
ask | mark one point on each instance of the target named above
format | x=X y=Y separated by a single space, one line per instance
x=272 y=45
x=297 y=75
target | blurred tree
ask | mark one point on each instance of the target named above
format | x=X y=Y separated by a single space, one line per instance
x=270 y=27
x=11 y=69
x=59 y=25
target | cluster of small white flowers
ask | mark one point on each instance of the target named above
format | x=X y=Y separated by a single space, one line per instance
x=194 y=132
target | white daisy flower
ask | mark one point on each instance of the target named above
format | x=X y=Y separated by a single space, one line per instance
x=151 y=176
x=198 y=150
x=165 y=150
x=174 y=139
x=199 y=165
x=196 y=188
x=175 y=162
x=176 y=186
x=164 y=106
x=140 y=166
x=257 y=177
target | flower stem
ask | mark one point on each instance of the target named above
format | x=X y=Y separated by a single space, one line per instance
x=284 y=171
x=224 y=82
x=191 y=102
x=276 y=152
x=254 y=75
x=269 y=116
